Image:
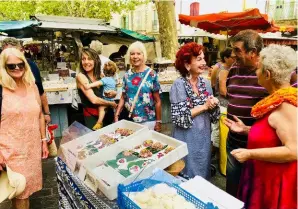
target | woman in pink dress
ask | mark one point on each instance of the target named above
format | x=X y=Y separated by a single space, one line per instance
x=22 y=128
x=269 y=176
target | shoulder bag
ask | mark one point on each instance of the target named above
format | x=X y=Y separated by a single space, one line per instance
x=137 y=94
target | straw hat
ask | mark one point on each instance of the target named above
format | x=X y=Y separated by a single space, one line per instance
x=12 y=184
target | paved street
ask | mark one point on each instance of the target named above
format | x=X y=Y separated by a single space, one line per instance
x=47 y=198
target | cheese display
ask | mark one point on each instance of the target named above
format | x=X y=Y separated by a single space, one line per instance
x=55 y=85
x=94 y=142
x=160 y=196
x=104 y=140
x=128 y=160
x=168 y=76
x=132 y=161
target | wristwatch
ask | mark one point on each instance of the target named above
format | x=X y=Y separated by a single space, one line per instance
x=47 y=113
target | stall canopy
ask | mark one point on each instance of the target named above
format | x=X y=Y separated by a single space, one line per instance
x=17 y=25
x=230 y=22
x=51 y=22
x=40 y=24
x=138 y=36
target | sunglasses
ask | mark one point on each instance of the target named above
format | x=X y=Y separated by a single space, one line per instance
x=14 y=66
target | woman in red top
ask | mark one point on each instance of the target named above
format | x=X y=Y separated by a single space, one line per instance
x=269 y=177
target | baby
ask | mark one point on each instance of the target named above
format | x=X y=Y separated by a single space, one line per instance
x=108 y=82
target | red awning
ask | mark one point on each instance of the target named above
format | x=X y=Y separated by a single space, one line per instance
x=232 y=22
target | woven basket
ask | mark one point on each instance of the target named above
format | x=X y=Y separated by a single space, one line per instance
x=175 y=168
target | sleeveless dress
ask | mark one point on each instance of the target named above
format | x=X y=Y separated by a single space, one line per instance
x=90 y=111
x=20 y=139
x=267 y=185
x=222 y=100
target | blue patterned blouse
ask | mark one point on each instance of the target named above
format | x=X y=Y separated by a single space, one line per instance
x=145 y=107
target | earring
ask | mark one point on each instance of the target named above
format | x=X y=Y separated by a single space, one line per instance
x=188 y=76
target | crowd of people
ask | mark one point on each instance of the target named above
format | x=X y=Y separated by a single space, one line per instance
x=257 y=85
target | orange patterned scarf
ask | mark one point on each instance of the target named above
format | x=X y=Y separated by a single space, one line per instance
x=271 y=102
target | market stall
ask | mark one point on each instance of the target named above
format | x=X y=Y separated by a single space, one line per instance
x=121 y=164
x=277 y=38
x=55 y=49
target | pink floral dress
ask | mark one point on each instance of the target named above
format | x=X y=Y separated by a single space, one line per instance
x=20 y=140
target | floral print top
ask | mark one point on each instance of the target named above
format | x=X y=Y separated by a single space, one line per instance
x=144 y=109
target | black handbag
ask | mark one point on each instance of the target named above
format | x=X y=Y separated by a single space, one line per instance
x=124 y=115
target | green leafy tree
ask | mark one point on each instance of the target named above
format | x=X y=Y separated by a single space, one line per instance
x=101 y=9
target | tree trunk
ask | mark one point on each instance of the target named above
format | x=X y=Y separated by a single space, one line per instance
x=167 y=28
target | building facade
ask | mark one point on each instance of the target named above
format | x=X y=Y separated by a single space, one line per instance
x=284 y=13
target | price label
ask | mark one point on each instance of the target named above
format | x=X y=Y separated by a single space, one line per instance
x=71 y=160
x=82 y=173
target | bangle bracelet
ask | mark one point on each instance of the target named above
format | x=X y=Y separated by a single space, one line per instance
x=158 y=121
x=44 y=139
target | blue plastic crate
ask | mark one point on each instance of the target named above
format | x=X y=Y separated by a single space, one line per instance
x=125 y=202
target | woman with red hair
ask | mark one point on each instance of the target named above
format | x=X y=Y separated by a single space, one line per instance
x=193 y=108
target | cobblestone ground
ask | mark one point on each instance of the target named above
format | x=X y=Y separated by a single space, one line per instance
x=47 y=198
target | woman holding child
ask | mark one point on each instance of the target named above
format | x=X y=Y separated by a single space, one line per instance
x=92 y=96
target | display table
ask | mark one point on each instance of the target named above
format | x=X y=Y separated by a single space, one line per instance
x=76 y=195
x=58 y=102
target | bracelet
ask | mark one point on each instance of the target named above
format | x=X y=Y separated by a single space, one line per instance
x=158 y=121
x=47 y=113
x=44 y=139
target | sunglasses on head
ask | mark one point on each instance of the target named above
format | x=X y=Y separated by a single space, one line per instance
x=14 y=66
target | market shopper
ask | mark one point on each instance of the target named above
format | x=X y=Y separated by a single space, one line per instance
x=269 y=175
x=219 y=75
x=108 y=83
x=90 y=71
x=145 y=108
x=98 y=47
x=22 y=125
x=222 y=73
x=243 y=92
x=193 y=108
x=120 y=54
x=15 y=43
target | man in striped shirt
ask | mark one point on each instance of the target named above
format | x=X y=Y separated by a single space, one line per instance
x=243 y=92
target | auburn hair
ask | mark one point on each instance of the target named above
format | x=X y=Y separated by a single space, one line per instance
x=184 y=56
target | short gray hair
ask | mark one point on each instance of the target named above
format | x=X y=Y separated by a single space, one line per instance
x=250 y=38
x=280 y=60
x=97 y=46
x=137 y=45
x=11 y=41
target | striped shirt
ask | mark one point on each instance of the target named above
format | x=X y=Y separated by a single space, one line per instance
x=243 y=92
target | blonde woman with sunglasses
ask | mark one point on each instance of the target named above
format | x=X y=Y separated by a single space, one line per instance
x=22 y=128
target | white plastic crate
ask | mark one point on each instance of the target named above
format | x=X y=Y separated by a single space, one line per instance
x=72 y=146
x=106 y=178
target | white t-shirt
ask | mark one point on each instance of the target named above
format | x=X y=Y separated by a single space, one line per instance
x=103 y=60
